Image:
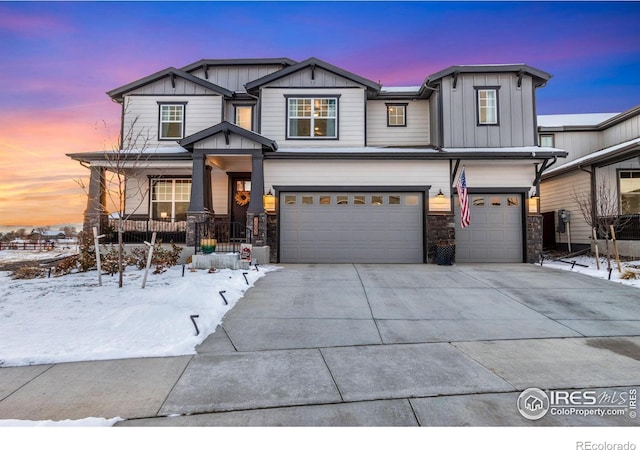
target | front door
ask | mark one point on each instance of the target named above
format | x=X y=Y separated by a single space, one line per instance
x=240 y=196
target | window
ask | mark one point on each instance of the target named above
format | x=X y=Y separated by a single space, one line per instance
x=312 y=117
x=629 y=191
x=546 y=140
x=170 y=199
x=487 y=106
x=171 y=121
x=396 y=114
x=244 y=114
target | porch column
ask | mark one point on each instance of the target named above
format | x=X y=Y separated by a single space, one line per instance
x=257 y=184
x=197 y=184
x=96 y=213
x=197 y=212
x=256 y=215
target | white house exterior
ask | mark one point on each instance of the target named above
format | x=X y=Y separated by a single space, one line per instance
x=359 y=172
x=603 y=152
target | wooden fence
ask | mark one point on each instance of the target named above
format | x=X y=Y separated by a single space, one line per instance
x=27 y=245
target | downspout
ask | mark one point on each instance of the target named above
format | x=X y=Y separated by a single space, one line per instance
x=258 y=111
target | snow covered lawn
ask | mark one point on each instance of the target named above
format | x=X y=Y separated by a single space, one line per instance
x=71 y=318
x=592 y=269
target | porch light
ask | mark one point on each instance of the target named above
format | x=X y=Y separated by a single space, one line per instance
x=439 y=202
x=269 y=201
x=534 y=203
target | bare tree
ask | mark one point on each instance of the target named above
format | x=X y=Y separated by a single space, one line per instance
x=127 y=160
x=601 y=212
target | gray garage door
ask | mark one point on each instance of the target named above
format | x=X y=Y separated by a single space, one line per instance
x=495 y=233
x=346 y=227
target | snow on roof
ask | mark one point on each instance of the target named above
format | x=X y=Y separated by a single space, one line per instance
x=399 y=89
x=340 y=150
x=609 y=151
x=564 y=120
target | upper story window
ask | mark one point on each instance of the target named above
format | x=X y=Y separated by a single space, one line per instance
x=170 y=199
x=629 y=191
x=244 y=115
x=171 y=121
x=546 y=140
x=396 y=114
x=312 y=117
x=487 y=102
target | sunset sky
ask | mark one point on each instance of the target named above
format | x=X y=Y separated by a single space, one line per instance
x=59 y=58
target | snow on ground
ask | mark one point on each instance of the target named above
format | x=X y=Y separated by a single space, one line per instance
x=10 y=256
x=71 y=318
x=592 y=269
x=88 y=422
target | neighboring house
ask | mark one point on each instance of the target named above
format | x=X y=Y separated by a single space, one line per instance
x=603 y=155
x=323 y=165
x=47 y=235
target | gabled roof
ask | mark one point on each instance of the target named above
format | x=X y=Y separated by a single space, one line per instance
x=285 y=62
x=312 y=62
x=117 y=93
x=540 y=76
x=226 y=127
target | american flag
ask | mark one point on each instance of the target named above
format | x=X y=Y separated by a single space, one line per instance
x=463 y=198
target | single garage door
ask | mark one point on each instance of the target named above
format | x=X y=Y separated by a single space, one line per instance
x=348 y=227
x=495 y=232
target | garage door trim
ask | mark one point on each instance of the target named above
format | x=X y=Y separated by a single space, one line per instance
x=423 y=189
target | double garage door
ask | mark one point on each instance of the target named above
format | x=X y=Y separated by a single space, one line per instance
x=496 y=231
x=351 y=227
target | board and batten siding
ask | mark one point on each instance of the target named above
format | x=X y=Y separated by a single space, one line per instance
x=351 y=117
x=219 y=142
x=234 y=78
x=558 y=193
x=515 y=112
x=577 y=143
x=357 y=173
x=143 y=113
x=622 y=132
x=416 y=131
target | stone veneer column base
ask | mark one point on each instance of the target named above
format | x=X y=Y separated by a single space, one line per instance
x=440 y=227
x=272 y=236
x=96 y=219
x=257 y=224
x=192 y=219
x=534 y=238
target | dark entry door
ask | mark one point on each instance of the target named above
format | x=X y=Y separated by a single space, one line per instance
x=240 y=195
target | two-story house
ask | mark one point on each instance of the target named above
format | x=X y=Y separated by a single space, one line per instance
x=323 y=165
x=602 y=169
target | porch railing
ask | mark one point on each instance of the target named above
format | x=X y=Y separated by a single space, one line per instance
x=228 y=235
x=138 y=231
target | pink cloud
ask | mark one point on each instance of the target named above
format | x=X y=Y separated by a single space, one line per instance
x=31 y=24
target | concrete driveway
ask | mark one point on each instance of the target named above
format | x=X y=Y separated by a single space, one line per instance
x=378 y=345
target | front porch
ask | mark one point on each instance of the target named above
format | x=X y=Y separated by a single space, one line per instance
x=228 y=235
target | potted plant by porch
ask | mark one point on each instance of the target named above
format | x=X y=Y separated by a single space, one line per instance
x=445 y=252
x=208 y=245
